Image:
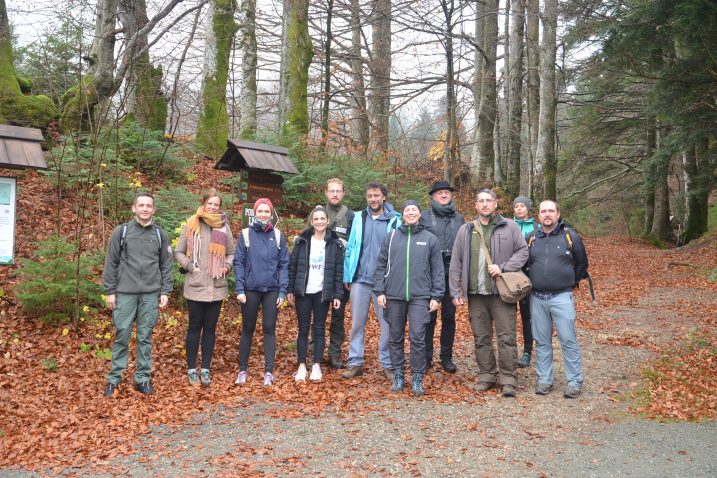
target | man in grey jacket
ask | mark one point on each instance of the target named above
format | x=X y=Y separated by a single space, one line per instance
x=137 y=279
x=472 y=276
x=409 y=283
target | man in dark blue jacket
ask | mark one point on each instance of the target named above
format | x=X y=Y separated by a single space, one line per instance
x=557 y=262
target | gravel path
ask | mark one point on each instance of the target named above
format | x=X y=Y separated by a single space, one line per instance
x=484 y=436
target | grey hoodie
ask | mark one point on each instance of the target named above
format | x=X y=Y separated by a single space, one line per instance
x=410 y=265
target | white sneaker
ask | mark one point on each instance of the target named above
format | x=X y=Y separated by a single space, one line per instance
x=316 y=375
x=241 y=378
x=268 y=379
x=300 y=375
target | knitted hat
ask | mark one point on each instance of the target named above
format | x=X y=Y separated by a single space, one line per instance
x=528 y=203
x=261 y=201
x=411 y=202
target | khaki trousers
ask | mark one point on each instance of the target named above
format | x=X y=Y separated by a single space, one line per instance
x=485 y=311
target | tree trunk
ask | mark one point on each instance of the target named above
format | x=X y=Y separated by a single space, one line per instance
x=247 y=42
x=325 y=107
x=213 y=128
x=380 y=93
x=283 y=107
x=698 y=169
x=659 y=169
x=450 y=152
x=515 y=98
x=358 y=105
x=545 y=161
x=145 y=101
x=16 y=108
x=477 y=82
x=483 y=170
x=300 y=52
x=649 y=199
x=533 y=87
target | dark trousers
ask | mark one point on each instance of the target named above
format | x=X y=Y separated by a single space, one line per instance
x=416 y=312
x=448 y=328
x=203 y=317
x=525 y=319
x=250 y=312
x=337 y=332
x=305 y=305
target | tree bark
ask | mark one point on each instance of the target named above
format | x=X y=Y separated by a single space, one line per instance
x=477 y=81
x=545 y=161
x=325 y=107
x=380 y=92
x=649 y=199
x=213 y=128
x=16 y=108
x=533 y=87
x=483 y=170
x=515 y=98
x=300 y=51
x=359 y=113
x=450 y=153
x=247 y=45
x=659 y=169
x=698 y=169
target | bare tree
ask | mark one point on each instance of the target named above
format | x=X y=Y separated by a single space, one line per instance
x=545 y=161
x=515 y=99
x=380 y=92
x=247 y=45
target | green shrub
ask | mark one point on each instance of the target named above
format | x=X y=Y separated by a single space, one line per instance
x=50 y=284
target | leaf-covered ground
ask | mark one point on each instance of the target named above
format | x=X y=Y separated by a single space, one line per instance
x=52 y=377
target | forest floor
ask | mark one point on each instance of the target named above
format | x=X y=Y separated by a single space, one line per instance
x=648 y=406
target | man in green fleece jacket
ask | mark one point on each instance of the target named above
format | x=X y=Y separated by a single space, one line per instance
x=137 y=279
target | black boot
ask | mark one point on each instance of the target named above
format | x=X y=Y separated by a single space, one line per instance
x=398 y=380
x=417 y=384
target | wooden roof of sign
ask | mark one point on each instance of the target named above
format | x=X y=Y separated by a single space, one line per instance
x=247 y=155
x=21 y=148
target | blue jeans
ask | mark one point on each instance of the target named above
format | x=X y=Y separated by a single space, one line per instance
x=560 y=310
x=361 y=297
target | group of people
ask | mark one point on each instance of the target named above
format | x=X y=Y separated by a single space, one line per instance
x=409 y=264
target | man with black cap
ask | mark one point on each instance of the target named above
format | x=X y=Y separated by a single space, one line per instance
x=409 y=283
x=443 y=221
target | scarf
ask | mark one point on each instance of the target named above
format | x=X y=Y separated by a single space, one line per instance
x=447 y=210
x=217 y=241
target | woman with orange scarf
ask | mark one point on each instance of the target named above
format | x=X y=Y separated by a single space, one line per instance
x=205 y=250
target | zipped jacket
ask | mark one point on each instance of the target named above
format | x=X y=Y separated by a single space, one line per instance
x=553 y=266
x=333 y=287
x=508 y=249
x=526 y=225
x=410 y=265
x=445 y=229
x=262 y=266
x=355 y=244
x=143 y=265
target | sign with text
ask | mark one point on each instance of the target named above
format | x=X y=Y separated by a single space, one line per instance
x=8 y=191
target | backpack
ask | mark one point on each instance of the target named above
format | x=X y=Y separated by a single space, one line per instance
x=569 y=241
x=123 y=237
x=245 y=235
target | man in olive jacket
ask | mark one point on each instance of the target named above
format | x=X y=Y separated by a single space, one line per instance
x=137 y=279
x=471 y=276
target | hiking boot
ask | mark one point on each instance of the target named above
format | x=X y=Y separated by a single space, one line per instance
x=112 y=390
x=417 y=384
x=523 y=361
x=336 y=363
x=316 y=374
x=388 y=373
x=193 y=378
x=508 y=391
x=543 y=388
x=571 y=391
x=449 y=366
x=145 y=388
x=300 y=375
x=398 y=380
x=268 y=379
x=353 y=371
x=241 y=378
x=205 y=378
x=485 y=386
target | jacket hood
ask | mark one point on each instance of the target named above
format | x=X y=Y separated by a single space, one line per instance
x=414 y=228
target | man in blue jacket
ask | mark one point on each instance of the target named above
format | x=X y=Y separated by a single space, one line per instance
x=369 y=228
x=557 y=262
